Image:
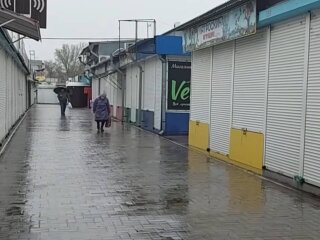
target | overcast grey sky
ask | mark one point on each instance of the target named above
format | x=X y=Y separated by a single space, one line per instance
x=99 y=18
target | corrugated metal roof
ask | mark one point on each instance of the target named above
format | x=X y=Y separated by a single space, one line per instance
x=20 y=24
x=6 y=43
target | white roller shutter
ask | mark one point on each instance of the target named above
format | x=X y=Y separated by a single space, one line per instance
x=158 y=95
x=312 y=138
x=3 y=92
x=200 y=85
x=221 y=97
x=128 y=87
x=10 y=93
x=47 y=96
x=119 y=95
x=113 y=85
x=95 y=88
x=102 y=86
x=33 y=94
x=134 y=93
x=24 y=93
x=285 y=96
x=249 y=82
x=149 y=82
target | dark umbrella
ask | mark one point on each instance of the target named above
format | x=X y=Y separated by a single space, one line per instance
x=57 y=90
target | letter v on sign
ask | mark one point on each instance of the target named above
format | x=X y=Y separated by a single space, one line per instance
x=175 y=93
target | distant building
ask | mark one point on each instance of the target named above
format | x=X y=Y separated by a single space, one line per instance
x=98 y=52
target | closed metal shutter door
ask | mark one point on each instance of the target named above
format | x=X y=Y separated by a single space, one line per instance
x=3 y=91
x=158 y=96
x=249 y=82
x=200 y=85
x=128 y=87
x=33 y=94
x=109 y=90
x=134 y=93
x=24 y=93
x=149 y=82
x=10 y=93
x=113 y=88
x=103 y=87
x=95 y=88
x=221 y=97
x=119 y=90
x=47 y=96
x=312 y=138
x=285 y=96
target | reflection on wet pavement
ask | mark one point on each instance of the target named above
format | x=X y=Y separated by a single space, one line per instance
x=59 y=179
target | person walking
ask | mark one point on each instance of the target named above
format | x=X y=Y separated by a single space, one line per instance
x=102 y=111
x=63 y=98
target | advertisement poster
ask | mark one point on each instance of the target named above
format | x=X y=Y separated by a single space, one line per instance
x=238 y=22
x=179 y=76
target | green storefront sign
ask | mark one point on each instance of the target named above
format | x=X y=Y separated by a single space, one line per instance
x=179 y=76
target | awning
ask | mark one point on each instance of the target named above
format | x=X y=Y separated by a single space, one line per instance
x=20 y=24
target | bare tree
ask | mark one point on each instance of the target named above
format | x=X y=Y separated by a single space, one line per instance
x=68 y=59
x=51 y=69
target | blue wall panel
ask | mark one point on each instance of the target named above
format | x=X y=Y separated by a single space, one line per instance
x=169 y=45
x=147 y=120
x=177 y=123
x=285 y=10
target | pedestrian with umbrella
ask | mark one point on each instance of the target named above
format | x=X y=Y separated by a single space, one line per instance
x=63 y=98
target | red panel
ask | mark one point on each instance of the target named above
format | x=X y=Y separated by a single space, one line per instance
x=119 y=113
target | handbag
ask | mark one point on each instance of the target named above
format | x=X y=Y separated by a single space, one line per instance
x=108 y=123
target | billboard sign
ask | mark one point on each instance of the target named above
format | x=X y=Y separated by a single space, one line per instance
x=238 y=22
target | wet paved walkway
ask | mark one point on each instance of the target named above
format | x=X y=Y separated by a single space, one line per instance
x=60 y=180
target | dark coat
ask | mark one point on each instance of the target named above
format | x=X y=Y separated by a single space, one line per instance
x=101 y=109
x=63 y=97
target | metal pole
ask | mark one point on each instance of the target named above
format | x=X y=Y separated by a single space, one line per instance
x=140 y=77
x=136 y=38
x=119 y=34
x=155 y=27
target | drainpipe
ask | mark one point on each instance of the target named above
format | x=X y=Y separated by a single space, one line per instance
x=139 y=117
x=124 y=87
x=163 y=93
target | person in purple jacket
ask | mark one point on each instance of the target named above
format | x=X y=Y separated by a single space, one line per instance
x=102 y=111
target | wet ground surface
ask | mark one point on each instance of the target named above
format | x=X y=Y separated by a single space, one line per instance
x=59 y=179
x=181 y=140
